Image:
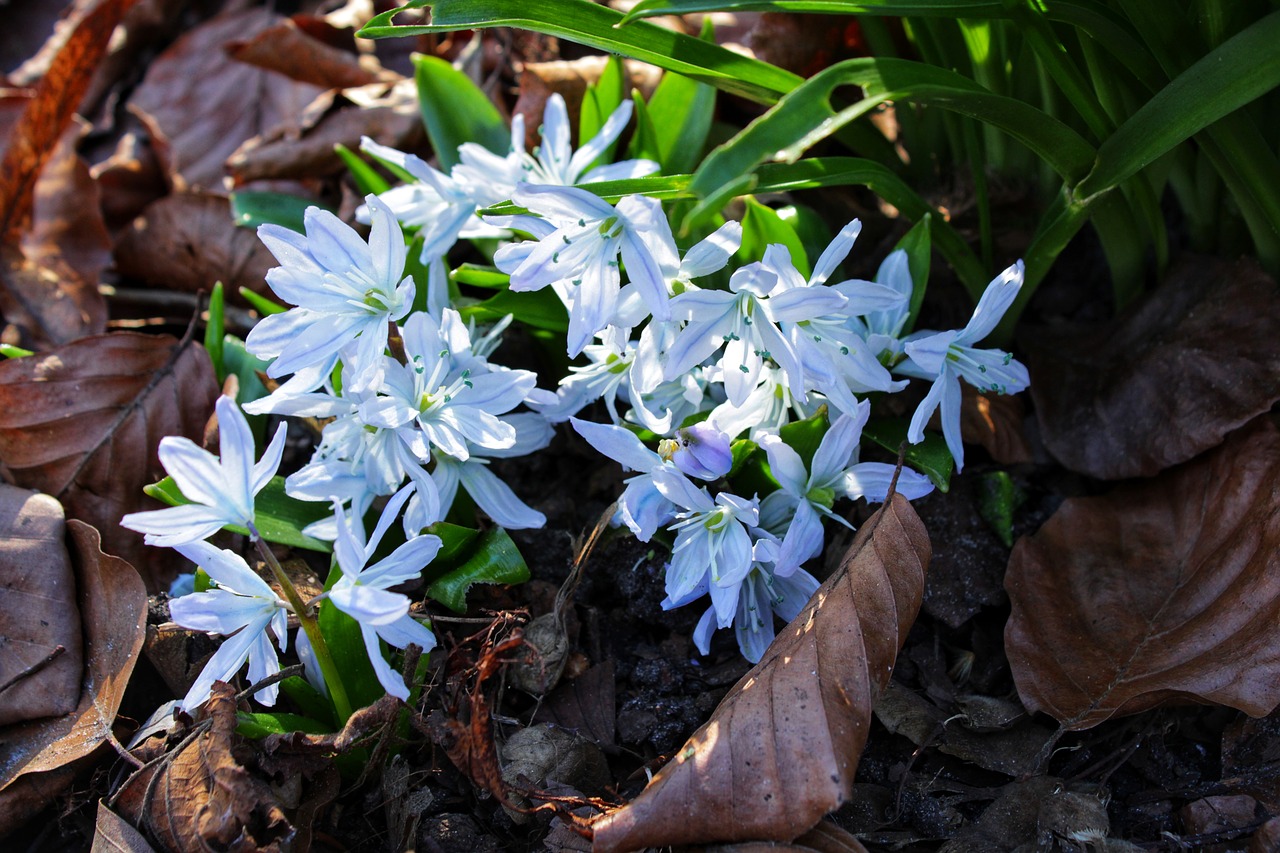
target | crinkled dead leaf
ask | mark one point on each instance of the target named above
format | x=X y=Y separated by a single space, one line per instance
x=286 y=47
x=82 y=423
x=1166 y=590
x=42 y=663
x=200 y=104
x=113 y=604
x=1168 y=380
x=781 y=749
x=386 y=113
x=203 y=798
x=114 y=834
x=48 y=112
x=189 y=241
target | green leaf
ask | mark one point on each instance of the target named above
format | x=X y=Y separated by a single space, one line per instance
x=587 y=23
x=919 y=248
x=313 y=703
x=455 y=111
x=999 y=499
x=346 y=645
x=805 y=436
x=943 y=8
x=456 y=543
x=214 y=331
x=539 y=309
x=681 y=110
x=740 y=451
x=251 y=209
x=278 y=517
x=263 y=305
x=246 y=368
x=10 y=351
x=490 y=278
x=930 y=457
x=810 y=226
x=258 y=725
x=601 y=99
x=644 y=142
x=367 y=179
x=762 y=226
x=495 y=559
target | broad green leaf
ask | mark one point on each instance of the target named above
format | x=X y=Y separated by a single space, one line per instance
x=367 y=179
x=807 y=115
x=251 y=209
x=278 y=517
x=312 y=702
x=944 y=8
x=644 y=141
x=919 y=248
x=930 y=457
x=258 y=725
x=456 y=111
x=214 y=331
x=490 y=278
x=495 y=559
x=804 y=436
x=741 y=450
x=762 y=226
x=539 y=309
x=999 y=499
x=681 y=110
x=455 y=542
x=587 y=23
x=601 y=99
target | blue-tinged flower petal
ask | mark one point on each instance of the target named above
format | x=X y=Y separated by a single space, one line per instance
x=391 y=681
x=995 y=301
x=368 y=605
x=224 y=664
x=839 y=445
x=713 y=253
x=496 y=499
x=871 y=480
x=835 y=253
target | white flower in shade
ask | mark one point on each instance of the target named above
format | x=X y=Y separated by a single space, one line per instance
x=807 y=496
x=242 y=608
x=950 y=356
x=345 y=291
x=762 y=596
x=883 y=330
x=641 y=507
x=588 y=238
x=222 y=488
x=363 y=591
x=713 y=537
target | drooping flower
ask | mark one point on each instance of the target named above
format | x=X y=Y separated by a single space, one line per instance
x=949 y=356
x=363 y=591
x=345 y=291
x=222 y=488
x=242 y=608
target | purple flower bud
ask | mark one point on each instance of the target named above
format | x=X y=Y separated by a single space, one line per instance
x=703 y=451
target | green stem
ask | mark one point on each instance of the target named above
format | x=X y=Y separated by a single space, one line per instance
x=310 y=626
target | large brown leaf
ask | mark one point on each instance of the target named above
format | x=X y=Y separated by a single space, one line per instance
x=82 y=423
x=113 y=603
x=42 y=661
x=781 y=749
x=1160 y=591
x=1192 y=362
x=201 y=105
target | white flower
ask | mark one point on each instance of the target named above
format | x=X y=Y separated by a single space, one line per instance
x=362 y=591
x=494 y=497
x=641 y=507
x=948 y=356
x=806 y=497
x=345 y=291
x=222 y=488
x=713 y=537
x=557 y=163
x=583 y=249
x=241 y=608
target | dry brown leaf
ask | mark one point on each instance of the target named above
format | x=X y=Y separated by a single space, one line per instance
x=781 y=749
x=387 y=114
x=31 y=794
x=188 y=241
x=203 y=799
x=67 y=229
x=114 y=834
x=995 y=422
x=295 y=52
x=47 y=114
x=1166 y=590
x=42 y=660
x=1167 y=381
x=82 y=423
x=200 y=104
x=113 y=604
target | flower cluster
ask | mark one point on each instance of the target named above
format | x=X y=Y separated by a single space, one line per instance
x=716 y=364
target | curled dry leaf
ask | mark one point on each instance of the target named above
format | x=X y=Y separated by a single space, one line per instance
x=781 y=749
x=113 y=605
x=43 y=661
x=287 y=48
x=82 y=423
x=1166 y=590
x=189 y=241
x=203 y=799
x=995 y=422
x=200 y=104
x=1168 y=380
